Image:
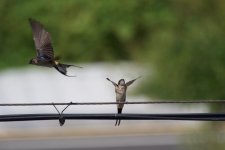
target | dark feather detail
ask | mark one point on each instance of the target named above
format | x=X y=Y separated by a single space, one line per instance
x=62 y=68
x=42 y=39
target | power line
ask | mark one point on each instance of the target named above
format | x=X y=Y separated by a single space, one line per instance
x=126 y=103
x=185 y=116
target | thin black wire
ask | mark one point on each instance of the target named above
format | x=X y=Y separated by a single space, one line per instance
x=112 y=103
x=185 y=116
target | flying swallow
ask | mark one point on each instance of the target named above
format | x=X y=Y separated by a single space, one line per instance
x=120 y=90
x=45 y=54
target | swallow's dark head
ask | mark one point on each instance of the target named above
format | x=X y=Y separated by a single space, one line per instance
x=121 y=82
x=33 y=61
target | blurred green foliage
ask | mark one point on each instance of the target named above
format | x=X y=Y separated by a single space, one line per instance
x=181 y=40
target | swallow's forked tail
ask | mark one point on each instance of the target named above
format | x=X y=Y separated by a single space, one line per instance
x=62 y=68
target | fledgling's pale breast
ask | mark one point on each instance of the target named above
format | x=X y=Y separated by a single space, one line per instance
x=121 y=95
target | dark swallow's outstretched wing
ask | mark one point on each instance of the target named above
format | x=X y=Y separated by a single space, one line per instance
x=42 y=40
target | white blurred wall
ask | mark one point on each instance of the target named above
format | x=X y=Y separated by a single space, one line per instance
x=38 y=84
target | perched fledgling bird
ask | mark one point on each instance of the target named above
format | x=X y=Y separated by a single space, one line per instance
x=45 y=54
x=120 y=90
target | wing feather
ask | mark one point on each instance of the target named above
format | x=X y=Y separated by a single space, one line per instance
x=42 y=40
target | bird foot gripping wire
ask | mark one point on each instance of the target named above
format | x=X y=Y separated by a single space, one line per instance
x=61 y=117
x=117 y=121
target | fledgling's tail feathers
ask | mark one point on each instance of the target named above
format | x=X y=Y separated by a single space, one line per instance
x=119 y=110
x=62 y=68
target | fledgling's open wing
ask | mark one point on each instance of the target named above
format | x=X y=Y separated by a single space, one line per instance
x=132 y=81
x=42 y=40
x=112 y=82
